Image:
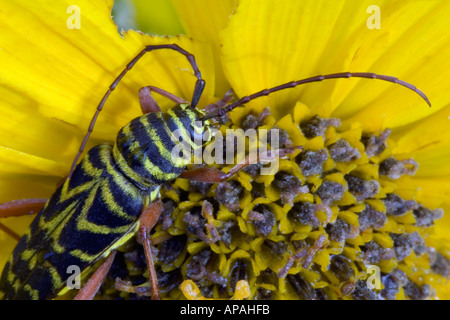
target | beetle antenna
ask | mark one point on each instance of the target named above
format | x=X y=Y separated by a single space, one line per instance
x=199 y=86
x=218 y=112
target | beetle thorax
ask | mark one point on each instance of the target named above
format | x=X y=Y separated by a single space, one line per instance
x=148 y=148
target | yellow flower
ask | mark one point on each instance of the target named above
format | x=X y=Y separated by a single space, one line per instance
x=54 y=73
x=53 y=76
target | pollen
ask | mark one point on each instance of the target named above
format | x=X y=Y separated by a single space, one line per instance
x=330 y=223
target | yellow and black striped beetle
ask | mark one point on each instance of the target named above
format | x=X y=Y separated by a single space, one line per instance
x=113 y=193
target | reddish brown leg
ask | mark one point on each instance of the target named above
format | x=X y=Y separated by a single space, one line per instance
x=146 y=223
x=95 y=281
x=199 y=86
x=149 y=104
x=213 y=175
x=23 y=207
x=17 y=208
x=9 y=232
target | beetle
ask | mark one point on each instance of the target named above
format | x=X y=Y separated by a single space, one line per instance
x=113 y=192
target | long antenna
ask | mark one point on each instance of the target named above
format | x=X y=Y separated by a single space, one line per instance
x=222 y=111
x=199 y=86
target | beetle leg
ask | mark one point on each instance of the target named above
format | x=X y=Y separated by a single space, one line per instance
x=17 y=208
x=95 y=281
x=23 y=207
x=205 y=174
x=213 y=175
x=148 y=219
x=199 y=86
x=9 y=232
x=149 y=104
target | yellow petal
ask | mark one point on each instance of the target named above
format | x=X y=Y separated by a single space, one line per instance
x=428 y=142
x=412 y=44
x=53 y=78
x=203 y=20
x=265 y=45
x=433 y=192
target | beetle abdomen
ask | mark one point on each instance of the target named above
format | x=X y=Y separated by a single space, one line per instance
x=89 y=215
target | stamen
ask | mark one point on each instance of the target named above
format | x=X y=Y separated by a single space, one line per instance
x=311 y=230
